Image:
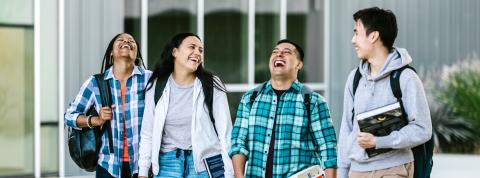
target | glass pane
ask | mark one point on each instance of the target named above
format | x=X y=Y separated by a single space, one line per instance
x=166 y=18
x=233 y=101
x=226 y=28
x=49 y=64
x=49 y=91
x=267 y=33
x=49 y=149
x=18 y=12
x=16 y=101
x=131 y=21
x=305 y=27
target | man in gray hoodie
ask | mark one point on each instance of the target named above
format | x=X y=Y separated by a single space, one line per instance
x=374 y=34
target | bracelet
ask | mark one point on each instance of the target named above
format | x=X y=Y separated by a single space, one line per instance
x=89 y=121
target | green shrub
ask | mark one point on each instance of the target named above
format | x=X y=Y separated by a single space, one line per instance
x=461 y=90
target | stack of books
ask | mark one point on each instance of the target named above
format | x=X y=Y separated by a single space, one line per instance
x=381 y=122
x=314 y=171
x=214 y=166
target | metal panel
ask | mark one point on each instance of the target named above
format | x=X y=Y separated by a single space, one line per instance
x=435 y=32
x=89 y=26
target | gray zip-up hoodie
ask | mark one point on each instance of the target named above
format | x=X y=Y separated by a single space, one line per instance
x=375 y=92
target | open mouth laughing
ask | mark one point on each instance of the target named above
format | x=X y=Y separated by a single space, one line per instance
x=126 y=46
x=194 y=59
x=279 y=63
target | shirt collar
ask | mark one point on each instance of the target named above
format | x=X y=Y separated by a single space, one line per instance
x=136 y=71
x=296 y=86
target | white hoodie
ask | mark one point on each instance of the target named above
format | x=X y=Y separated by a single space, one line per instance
x=205 y=142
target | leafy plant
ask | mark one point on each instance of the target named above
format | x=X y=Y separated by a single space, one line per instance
x=461 y=90
x=450 y=132
x=452 y=97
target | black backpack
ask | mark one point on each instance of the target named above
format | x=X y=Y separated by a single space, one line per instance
x=207 y=91
x=84 y=145
x=306 y=93
x=423 y=153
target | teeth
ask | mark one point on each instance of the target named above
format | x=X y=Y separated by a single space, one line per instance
x=277 y=63
x=125 y=46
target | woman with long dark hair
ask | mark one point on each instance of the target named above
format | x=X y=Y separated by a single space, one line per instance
x=181 y=129
x=123 y=69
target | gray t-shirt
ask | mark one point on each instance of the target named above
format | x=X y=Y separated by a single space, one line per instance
x=177 y=129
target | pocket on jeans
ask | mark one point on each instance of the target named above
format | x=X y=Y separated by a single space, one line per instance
x=395 y=172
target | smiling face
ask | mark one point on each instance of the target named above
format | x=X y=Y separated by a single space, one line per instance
x=189 y=55
x=124 y=47
x=284 y=61
x=362 y=43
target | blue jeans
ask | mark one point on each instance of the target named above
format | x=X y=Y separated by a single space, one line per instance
x=103 y=173
x=178 y=163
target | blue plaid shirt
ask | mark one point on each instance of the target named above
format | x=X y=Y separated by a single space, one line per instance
x=134 y=104
x=294 y=149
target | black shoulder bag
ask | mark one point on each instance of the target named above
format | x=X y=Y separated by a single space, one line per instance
x=84 y=145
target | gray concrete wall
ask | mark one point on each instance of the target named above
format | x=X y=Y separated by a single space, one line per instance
x=435 y=32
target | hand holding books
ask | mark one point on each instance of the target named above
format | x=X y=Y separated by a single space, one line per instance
x=314 y=171
x=366 y=140
x=381 y=122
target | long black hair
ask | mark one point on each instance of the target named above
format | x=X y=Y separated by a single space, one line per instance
x=107 y=62
x=165 y=67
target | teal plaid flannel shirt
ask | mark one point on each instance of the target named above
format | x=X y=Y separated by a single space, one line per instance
x=294 y=149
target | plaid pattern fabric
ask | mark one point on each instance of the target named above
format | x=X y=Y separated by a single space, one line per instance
x=134 y=105
x=294 y=148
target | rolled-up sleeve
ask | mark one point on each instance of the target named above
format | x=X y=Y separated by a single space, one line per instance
x=240 y=128
x=324 y=133
x=84 y=100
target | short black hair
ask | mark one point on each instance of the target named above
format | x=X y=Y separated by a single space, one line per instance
x=297 y=47
x=381 y=20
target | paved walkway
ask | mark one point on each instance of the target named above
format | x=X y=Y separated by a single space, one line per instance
x=453 y=165
x=444 y=166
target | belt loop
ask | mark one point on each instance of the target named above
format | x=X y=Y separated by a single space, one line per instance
x=185 y=162
x=178 y=152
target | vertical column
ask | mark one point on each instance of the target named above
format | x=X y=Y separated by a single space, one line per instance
x=283 y=19
x=61 y=87
x=144 y=30
x=251 y=42
x=200 y=18
x=36 y=63
x=326 y=47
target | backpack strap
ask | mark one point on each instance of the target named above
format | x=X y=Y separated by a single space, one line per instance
x=395 y=85
x=257 y=90
x=159 y=87
x=106 y=99
x=422 y=153
x=356 y=81
x=208 y=93
x=306 y=93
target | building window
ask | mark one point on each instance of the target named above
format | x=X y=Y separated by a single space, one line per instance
x=226 y=34
x=16 y=89
x=226 y=29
